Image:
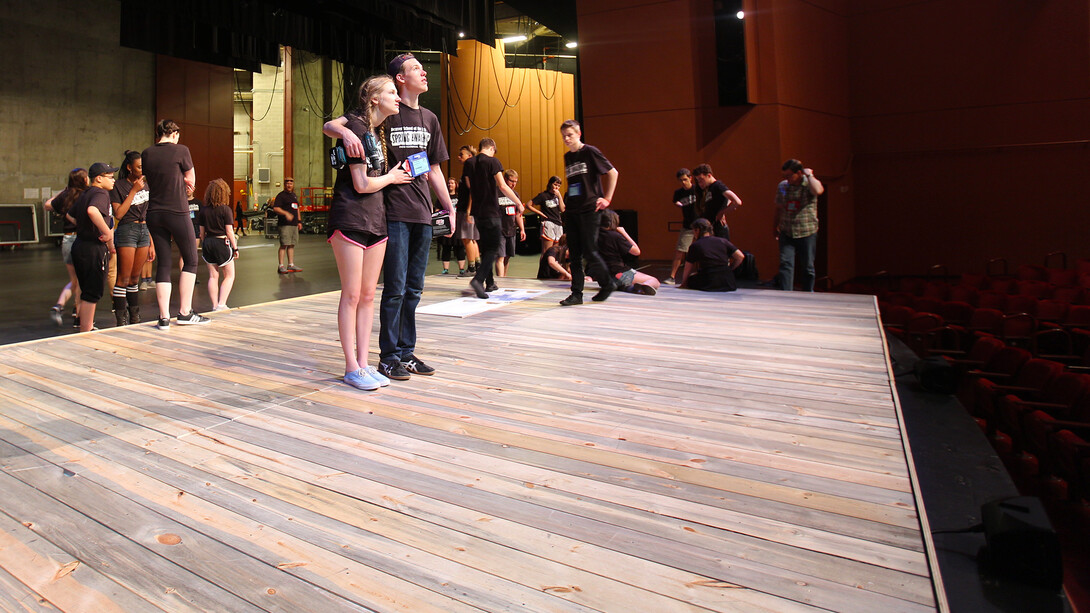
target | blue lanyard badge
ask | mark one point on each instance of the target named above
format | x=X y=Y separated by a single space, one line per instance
x=575 y=189
x=418 y=164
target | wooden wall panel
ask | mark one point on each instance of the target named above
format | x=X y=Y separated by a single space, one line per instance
x=521 y=108
x=199 y=97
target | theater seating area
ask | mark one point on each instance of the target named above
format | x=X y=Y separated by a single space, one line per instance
x=1019 y=344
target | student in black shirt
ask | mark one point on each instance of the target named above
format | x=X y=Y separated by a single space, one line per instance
x=711 y=260
x=59 y=204
x=718 y=199
x=550 y=205
x=614 y=244
x=168 y=168
x=486 y=185
x=357 y=227
x=129 y=199
x=685 y=199
x=218 y=246
x=465 y=230
x=591 y=183
x=94 y=240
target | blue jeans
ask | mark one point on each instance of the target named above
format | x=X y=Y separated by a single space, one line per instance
x=804 y=248
x=403 y=280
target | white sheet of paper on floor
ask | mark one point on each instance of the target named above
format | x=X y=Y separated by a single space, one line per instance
x=467 y=306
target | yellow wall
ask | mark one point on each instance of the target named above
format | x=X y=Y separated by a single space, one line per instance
x=519 y=108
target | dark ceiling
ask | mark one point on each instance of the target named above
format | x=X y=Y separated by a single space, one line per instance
x=247 y=33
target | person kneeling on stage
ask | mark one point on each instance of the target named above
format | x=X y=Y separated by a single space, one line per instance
x=613 y=244
x=711 y=260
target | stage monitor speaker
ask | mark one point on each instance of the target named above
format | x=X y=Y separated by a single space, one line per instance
x=1021 y=544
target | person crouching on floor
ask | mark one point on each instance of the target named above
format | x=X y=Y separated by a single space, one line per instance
x=710 y=261
x=613 y=243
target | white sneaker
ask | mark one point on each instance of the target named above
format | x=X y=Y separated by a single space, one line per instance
x=377 y=376
x=221 y=307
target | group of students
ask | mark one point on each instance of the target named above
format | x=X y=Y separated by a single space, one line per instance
x=132 y=214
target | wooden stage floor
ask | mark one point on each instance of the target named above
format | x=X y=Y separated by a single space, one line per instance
x=684 y=452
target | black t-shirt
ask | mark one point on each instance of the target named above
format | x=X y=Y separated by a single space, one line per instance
x=412 y=131
x=713 y=254
x=60 y=209
x=584 y=169
x=544 y=271
x=715 y=198
x=613 y=247
x=287 y=201
x=92 y=197
x=138 y=209
x=164 y=167
x=195 y=207
x=215 y=220
x=351 y=211
x=483 y=184
x=508 y=211
x=548 y=203
x=687 y=198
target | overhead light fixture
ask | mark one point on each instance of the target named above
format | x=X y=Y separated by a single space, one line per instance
x=740 y=15
x=461 y=35
x=571 y=44
x=513 y=39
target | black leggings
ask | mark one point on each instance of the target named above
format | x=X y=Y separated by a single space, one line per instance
x=449 y=244
x=163 y=227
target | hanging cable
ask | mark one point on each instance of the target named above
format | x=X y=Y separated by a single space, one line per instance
x=238 y=94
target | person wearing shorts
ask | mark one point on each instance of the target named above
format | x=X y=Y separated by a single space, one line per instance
x=94 y=240
x=129 y=199
x=512 y=224
x=549 y=204
x=357 y=223
x=614 y=244
x=218 y=246
x=685 y=198
x=60 y=204
x=288 y=221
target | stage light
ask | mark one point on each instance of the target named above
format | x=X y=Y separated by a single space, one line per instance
x=740 y=15
x=513 y=39
x=571 y=45
x=461 y=35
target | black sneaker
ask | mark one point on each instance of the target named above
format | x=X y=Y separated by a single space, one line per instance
x=603 y=293
x=478 y=289
x=414 y=365
x=639 y=288
x=492 y=288
x=571 y=300
x=164 y=323
x=192 y=318
x=394 y=369
x=75 y=321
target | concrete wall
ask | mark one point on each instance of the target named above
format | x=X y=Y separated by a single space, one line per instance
x=309 y=114
x=268 y=130
x=70 y=95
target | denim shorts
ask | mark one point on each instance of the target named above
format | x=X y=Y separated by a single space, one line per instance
x=132 y=235
x=66 y=247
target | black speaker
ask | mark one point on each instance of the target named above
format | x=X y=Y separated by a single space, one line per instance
x=936 y=375
x=1021 y=544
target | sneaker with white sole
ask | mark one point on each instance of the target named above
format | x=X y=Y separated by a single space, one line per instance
x=221 y=307
x=56 y=315
x=377 y=376
x=416 y=366
x=359 y=379
x=393 y=369
x=192 y=318
x=163 y=324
